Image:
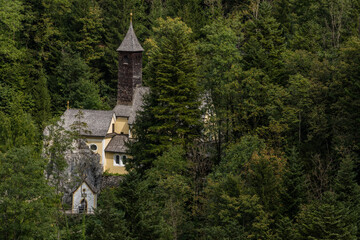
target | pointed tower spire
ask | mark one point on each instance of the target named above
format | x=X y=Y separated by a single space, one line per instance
x=130 y=42
x=130 y=66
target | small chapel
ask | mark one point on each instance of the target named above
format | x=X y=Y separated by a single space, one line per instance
x=108 y=131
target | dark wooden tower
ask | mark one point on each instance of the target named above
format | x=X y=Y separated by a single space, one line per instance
x=130 y=67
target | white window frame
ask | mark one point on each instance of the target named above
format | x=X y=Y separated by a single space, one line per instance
x=121 y=156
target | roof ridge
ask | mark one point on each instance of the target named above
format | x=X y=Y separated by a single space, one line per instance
x=93 y=110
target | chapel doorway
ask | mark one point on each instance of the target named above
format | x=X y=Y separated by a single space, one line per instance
x=83 y=206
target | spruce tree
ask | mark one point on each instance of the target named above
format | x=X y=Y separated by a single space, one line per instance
x=264 y=43
x=347 y=189
x=325 y=219
x=171 y=112
x=295 y=184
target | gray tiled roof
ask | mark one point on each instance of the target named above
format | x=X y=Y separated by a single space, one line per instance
x=117 y=144
x=122 y=110
x=92 y=188
x=130 y=42
x=97 y=121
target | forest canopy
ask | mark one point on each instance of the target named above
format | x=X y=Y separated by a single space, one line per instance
x=251 y=129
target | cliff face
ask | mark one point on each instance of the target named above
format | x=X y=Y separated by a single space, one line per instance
x=81 y=164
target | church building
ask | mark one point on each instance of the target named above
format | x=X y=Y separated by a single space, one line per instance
x=108 y=131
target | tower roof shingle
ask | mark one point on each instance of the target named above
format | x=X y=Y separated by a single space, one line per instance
x=130 y=42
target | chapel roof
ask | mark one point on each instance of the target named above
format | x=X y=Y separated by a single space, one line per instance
x=91 y=187
x=122 y=110
x=130 y=42
x=117 y=144
x=97 y=121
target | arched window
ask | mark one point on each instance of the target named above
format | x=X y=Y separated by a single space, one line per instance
x=119 y=160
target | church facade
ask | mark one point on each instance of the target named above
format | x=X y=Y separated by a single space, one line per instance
x=107 y=132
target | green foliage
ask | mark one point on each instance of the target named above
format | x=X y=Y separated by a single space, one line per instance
x=26 y=201
x=345 y=89
x=264 y=44
x=10 y=21
x=274 y=77
x=233 y=213
x=17 y=127
x=109 y=220
x=246 y=188
x=170 y=193
x=263 y=174
x=72 y=83
x=326 y=219
x=239 y=154
x=57 y=142
x=347 y=189
x=171 y=112
x=220 y=67
x=295 y=184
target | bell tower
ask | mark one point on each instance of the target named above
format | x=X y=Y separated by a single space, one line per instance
x=130 y=66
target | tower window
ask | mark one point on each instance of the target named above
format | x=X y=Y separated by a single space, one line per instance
x=126 y=60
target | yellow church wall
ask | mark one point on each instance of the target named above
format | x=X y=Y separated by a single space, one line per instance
x=121 y=125
x=113 y=121
x=109 y=158
x=107 y=140
x=100 y=143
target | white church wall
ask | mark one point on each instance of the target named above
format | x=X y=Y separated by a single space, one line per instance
x=84 y=192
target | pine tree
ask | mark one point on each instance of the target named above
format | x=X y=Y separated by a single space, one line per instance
x=171 y=114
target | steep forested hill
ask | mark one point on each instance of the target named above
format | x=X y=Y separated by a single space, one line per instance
x=276 y=157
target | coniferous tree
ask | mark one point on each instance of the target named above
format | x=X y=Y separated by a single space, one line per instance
x=326 y=219
x=347 y=189
x=170 y=192
x=220 y=67
x=264 y=43
x=295 y=184
x=171 y=114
